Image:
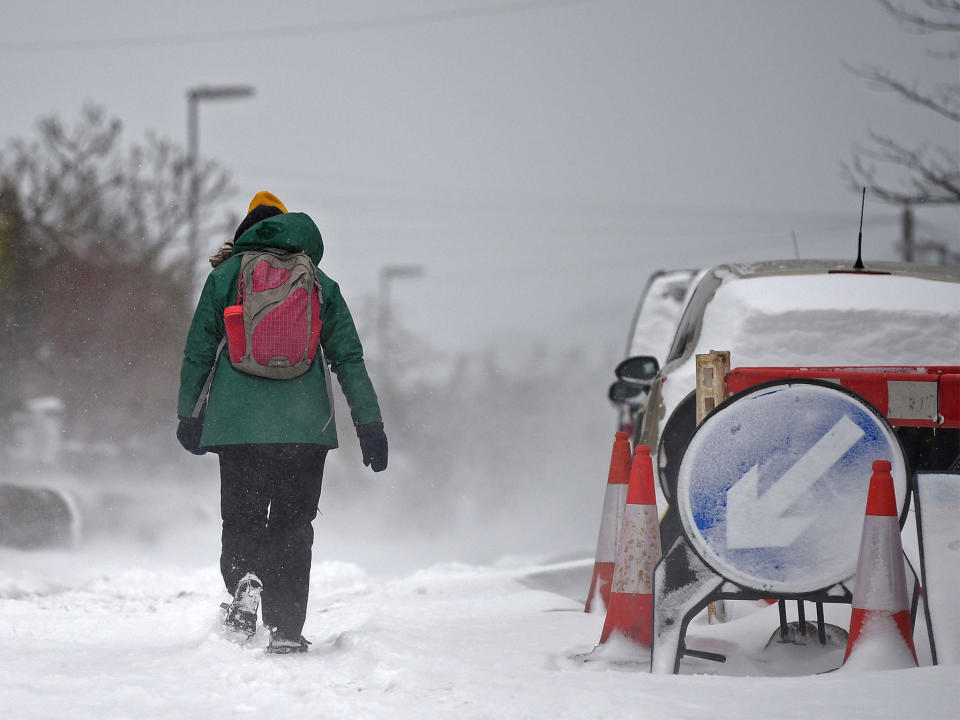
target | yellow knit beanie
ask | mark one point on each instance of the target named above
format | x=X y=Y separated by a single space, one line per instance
x=266 y=198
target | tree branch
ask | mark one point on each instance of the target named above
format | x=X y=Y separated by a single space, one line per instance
x=934 y=174
x=918 y=22
x=945 y=102
x=82 y=194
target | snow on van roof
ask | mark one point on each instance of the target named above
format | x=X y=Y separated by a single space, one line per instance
x=834 y=319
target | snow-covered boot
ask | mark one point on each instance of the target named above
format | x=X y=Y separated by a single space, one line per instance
x=241 y=615
x=280 y=645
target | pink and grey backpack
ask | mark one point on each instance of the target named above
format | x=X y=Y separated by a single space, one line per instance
x=274 y=329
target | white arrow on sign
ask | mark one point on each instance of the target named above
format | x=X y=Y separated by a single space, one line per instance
x=754 y=521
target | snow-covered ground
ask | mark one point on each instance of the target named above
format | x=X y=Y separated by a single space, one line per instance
x=125 y=626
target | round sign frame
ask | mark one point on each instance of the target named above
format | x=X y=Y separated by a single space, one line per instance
x=814 y=564
x=674 y=438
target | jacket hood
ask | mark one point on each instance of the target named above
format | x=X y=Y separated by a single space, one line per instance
x=292 y=232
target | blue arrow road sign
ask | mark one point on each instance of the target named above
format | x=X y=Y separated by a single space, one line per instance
x=772 y=488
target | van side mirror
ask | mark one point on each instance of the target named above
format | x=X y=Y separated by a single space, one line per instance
x=638 y=370
x=625 y=393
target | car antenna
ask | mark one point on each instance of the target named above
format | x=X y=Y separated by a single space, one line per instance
x=858 y=265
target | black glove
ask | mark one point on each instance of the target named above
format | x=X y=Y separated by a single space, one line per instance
x=373 y=445
x=188 y=433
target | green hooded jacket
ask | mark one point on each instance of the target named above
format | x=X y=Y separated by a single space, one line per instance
x=244 y=409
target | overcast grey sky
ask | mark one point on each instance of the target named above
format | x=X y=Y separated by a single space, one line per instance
x=538 y=159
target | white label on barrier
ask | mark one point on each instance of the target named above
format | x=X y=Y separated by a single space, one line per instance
x=912 y=400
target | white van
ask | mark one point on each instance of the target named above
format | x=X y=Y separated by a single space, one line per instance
x=808 y=313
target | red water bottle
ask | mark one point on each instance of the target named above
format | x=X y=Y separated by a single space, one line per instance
x=236 y=338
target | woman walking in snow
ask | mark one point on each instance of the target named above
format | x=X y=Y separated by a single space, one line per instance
x=268 y=412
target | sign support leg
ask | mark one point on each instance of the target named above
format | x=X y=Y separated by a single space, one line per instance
x=821 y=625
x=682 y=586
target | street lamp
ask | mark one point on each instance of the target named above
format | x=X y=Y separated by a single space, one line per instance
x=388 y=273
x=194 y=96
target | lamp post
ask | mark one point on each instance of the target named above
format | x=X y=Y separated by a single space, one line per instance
x=389 y=273
x=194 y=96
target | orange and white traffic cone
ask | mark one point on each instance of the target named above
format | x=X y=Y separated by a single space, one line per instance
x=630 y=610
x=613 y=500
x=880 y=637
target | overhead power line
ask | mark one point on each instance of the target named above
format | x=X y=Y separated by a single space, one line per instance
x=292 y=31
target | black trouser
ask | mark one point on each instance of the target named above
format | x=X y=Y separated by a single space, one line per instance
x=268 y=498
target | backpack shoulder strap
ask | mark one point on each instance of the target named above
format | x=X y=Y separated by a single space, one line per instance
x=205 y=392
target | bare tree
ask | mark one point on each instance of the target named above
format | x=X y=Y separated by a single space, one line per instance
x=81 y=192
x=931 y=173
x=94 y=287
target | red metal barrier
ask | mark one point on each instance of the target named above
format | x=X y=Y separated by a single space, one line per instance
x=912 y=396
